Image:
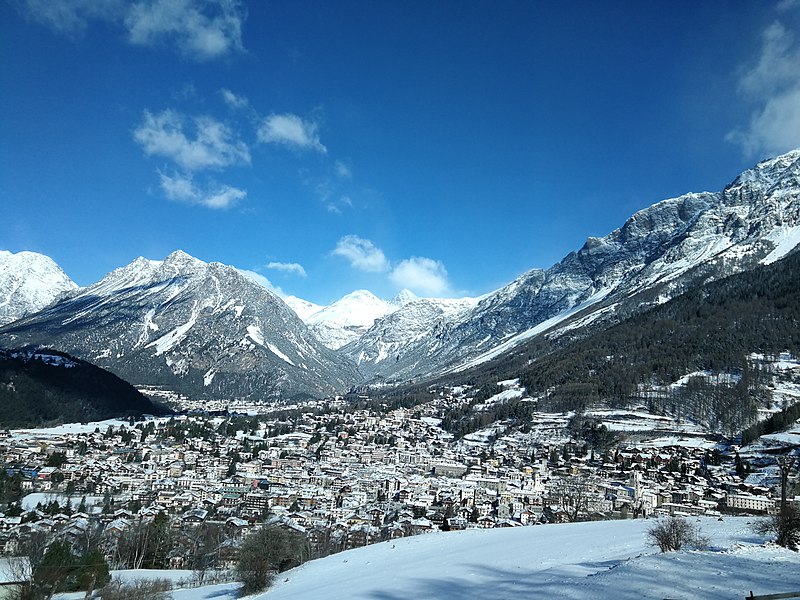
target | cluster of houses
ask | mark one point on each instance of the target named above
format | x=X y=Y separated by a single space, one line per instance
x=345 y=478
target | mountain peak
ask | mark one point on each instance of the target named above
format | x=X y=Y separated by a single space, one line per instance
x=29 y=281
x=360 y=296
x=772 y=171
x=183 y=262
x=404 y=297
x=347 y=318
x=303 y=308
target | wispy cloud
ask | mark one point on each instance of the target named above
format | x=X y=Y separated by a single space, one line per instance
x=292 y=268
x=292 y=131
x=181 y=188
x=772 y=86
x=72 y=18
x=421 y=275
x=200 y=29
x=233 y=100
x=212 y=146
x=193 y=145
x=343 y=170
x=334 y=187
x=178 y=187
x=197 y=29
x=222 y=197
x=336 y=205
x=362 y=254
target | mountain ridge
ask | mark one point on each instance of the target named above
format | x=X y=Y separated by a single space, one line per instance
x=656 y=254
x=659 y=252
x=201 y=329
x=40 y=387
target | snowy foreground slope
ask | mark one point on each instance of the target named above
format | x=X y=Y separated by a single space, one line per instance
x=582 y=561
x=609 y=559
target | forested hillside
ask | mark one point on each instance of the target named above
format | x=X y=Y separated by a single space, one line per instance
x=712 y=329
x=40 y=388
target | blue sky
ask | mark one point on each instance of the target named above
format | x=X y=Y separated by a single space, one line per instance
x=446 y=146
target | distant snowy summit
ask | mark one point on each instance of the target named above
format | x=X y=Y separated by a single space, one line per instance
x=29 y=282
x=302 y=308
x=347 y=319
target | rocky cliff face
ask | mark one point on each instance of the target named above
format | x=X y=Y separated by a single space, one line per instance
x=659 y=252
x=200 y=329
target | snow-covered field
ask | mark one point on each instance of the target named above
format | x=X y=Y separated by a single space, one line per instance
x=582 y=561
x=609 y=559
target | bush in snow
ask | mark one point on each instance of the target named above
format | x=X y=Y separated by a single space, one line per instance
x=140 y=589
x=673 y=533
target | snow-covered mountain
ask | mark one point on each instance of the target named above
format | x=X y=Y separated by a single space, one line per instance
x=28 y=282
x=302 y=308
x=207 y=330
x=347 y=318
x=658 y=253
x=351 y=316
x=202 y=329
x=393 y=335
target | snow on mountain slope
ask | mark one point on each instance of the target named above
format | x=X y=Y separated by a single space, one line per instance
x=302 y=308
x=576 y=561
x=349 y=317
x=202 y=329
x=382 y=343
x=580 y=561
x=29 y=282
x=658 y=253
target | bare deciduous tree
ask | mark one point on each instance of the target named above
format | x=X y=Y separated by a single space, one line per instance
x=673 y=533
x=572 y=493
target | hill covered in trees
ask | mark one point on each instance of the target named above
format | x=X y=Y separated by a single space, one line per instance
x=45 y=387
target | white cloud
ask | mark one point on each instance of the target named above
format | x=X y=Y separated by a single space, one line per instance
x=343 y=170
x=223 y=197
x=421 y=275
x=198 y=29
x=362 y=254
x=772 y=85
x=290 y=130
x=786 y=5
x=72 y=17
x=181 y=188
x=214 y=145
x=336 y=205
x=295 y=268
x=777 y=65
x=234 y=101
